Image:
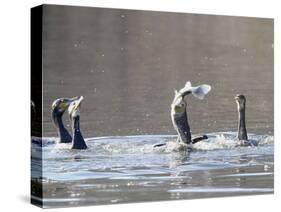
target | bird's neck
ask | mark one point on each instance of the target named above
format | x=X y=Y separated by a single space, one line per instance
x=181 y=125
x=188 y=138
x=64 y=136
x=78 y=141
x=242 y=132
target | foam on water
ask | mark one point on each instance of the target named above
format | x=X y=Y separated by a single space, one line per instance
x=145 y=143
x=130 y=156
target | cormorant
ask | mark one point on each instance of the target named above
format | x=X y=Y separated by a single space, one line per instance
x=78 y=141
x=59 y=106
x=179 y=113
x=241 y=107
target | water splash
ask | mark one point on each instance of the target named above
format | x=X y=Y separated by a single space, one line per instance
x=119 y=168
x=135 y=155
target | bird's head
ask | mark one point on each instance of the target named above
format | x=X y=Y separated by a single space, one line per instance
x=241 y=101
x=74 y=106
x=60 y=105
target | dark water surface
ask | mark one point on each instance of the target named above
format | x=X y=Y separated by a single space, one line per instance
x=127 y=64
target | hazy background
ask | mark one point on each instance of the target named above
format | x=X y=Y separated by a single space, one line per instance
x=127 y=63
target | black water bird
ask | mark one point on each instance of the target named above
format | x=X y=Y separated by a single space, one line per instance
x=78 y=141
x=179 y=113
x=241 y=107
x=59 y=106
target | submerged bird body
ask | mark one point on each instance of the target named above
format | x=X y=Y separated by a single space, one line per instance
x=179 y=114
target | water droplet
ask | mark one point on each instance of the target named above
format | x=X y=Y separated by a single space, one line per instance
x=130 y=183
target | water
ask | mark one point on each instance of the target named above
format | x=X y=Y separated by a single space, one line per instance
x=127 y=64
x=129 y=169
x=128 y=78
